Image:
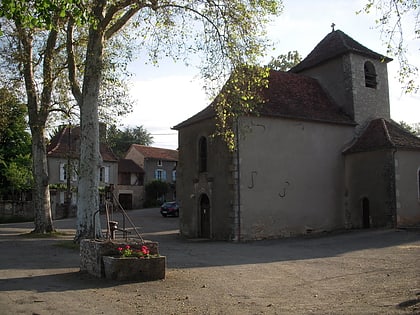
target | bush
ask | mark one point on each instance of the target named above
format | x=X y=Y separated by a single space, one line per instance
x=155 y=193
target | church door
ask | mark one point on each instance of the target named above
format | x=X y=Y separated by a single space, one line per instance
x=366 y=214
x=204 y=216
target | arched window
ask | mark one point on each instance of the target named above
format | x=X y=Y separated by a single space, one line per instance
x=202 y=155
x=370 y=75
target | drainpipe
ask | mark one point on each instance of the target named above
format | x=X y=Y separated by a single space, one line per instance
x=238 y=181
x=394 y=210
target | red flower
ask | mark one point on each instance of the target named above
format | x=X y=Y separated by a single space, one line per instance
x=145 y=250
x=120 y=249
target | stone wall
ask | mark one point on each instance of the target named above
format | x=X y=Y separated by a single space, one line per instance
x=21 y=209
x=92 y=251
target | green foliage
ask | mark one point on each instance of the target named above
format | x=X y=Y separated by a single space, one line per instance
x=241 y=95
x=154 y=191
x=15 y=146
x=285 y=62
x=413 y=128
x=393 y=16
x=121 y=140
x=42 y=13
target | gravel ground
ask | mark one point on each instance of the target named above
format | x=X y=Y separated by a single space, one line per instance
x=357 y=272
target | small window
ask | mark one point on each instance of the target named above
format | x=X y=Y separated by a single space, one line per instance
x=370 y=75
x=202 y=155
x=160 y=175
x=159 y=163
x=104 y=174
x=63 y=172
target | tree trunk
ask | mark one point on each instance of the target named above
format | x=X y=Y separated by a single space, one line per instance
x=88 y=223
x=38 y=114
x=41 y=193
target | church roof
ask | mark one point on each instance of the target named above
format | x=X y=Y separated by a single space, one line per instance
x=156 y=153
x=382 y=134
x=333 y=45
x=289 y=95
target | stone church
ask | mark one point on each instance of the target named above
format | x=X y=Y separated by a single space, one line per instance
x=323 y=154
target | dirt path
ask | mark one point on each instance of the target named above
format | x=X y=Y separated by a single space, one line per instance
x=361 y=272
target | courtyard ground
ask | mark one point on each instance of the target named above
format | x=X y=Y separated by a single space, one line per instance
x=356 y=272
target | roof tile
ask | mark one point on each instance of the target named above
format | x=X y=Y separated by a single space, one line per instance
x=290 y=95
x=66 y=143
x=335 y=44
x=157 y=153
x=382 y=134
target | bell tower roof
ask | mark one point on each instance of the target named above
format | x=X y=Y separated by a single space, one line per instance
x=335 y=44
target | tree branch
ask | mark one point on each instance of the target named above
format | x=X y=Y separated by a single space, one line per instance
x=75 y=88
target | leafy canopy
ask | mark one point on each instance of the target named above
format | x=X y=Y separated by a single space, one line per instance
x=121 y=140
x=15 y=145
x=399 y=23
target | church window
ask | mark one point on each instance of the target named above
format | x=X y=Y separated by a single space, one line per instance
x=370 y=75
x=202 y=155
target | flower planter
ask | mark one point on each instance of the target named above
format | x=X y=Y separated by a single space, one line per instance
x=134 y=269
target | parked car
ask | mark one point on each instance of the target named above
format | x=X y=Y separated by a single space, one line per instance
x=170 y=208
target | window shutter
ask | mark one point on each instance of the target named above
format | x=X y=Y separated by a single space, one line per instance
x=106 y=169
x=156 y=174
x=74 y=172
x=164 y=175
x=62 y=172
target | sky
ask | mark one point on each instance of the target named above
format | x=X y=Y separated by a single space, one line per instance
x=172 y=92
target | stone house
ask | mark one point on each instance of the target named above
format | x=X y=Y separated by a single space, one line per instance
x=130 y=189
x=323 y=154
x=62 y=156
x=158 y=164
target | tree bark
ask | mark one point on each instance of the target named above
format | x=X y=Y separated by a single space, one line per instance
x=88 y=223
x=41 y=192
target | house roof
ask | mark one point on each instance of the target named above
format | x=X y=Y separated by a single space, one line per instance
x=332 y=46
x=66 y=143
x=290 y=95
x=156 y=153
x=129 y=166
x=383 y=134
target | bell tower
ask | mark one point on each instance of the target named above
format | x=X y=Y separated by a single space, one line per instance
x=354 y=76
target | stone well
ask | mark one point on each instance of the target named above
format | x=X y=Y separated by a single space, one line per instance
x=100 y=258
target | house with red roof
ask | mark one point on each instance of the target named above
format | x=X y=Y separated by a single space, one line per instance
x=322 y=154
x=130 y=189
x=158 y=164
x=63 y=156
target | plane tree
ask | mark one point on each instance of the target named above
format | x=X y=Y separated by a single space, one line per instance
x=227 y=35
x=34 y=58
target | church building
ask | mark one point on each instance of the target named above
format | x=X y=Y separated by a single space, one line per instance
x=323 y=154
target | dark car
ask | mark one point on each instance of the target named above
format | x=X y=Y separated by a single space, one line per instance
x=170 y=208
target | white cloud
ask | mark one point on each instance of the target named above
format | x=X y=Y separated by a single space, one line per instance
x=162 y=103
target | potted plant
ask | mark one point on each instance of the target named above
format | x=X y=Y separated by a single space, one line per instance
x=134 y=264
